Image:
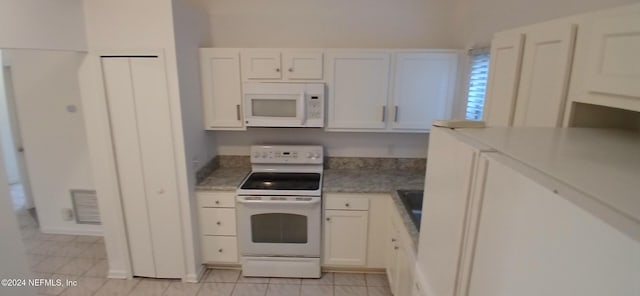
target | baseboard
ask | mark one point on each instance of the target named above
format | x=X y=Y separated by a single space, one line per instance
x=118 y=274
x=70 y=231
x=195 y=277
x=328 y=268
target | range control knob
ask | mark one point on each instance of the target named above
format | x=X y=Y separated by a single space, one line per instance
x=256 y=155
x=310 y=155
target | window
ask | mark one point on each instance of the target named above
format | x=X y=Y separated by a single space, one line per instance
x=478 y=74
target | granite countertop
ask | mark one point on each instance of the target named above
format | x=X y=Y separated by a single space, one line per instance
x=340 y=180
x=223 y=179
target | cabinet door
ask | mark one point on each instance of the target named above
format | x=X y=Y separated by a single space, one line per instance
x=504 y=76
x=449 y=179
x=614 y=62
x=261 y=65
x=406 y=265
x=302 y=65
x=345 y=238
x=221 y=88
x=424 y=86
x=532 y=241
x=544 y=79
x=138 y=101
x=358 y=89
x=392 y=257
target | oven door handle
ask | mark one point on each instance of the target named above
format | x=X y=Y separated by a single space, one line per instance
x=313 y=200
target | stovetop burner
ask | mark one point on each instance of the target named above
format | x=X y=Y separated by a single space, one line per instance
x=282 y=181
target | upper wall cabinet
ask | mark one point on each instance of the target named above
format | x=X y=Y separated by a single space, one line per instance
x=221 y=88
x=302 y=65
x=373 y=90
x=606 y=71
x=504 y=76
x=614 y=63
x=275 y=65
x=390 y=91
x=423 y=89
x=529 y=75
x=358 y=85
x=544 y=80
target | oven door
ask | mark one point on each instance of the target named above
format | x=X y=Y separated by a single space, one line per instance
x=287 y=226
x=275 y=110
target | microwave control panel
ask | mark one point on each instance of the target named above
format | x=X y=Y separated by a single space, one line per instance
x=314 y=106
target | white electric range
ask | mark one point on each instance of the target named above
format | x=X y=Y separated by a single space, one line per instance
x=279 y=212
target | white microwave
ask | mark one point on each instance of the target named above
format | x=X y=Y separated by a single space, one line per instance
x=283 y=104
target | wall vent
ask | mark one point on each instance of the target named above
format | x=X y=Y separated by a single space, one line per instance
x=85 y=206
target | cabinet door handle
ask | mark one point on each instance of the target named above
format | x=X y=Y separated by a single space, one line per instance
x=328 y=219
x=396 y=247
x=238 y=111
x=290 y=69
x=218 y=223
x=384 y=113
x=217 y=202
x=346 y=205
x=393 y=240
x=219 y=250
x=395 y=116
x=277 y=69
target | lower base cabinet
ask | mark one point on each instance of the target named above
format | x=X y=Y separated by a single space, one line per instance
x=222 y=249
x=345 y=237
x=217 y=214
x=401 y=257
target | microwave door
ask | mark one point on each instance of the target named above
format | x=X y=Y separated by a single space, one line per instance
x=274 y=110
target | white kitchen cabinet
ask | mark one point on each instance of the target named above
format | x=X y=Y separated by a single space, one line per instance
x=221 y=88
x=531 y=233
x=518 y=207
x=275 y=64
x=220 y=249
x=529 y=75
x=358 y=84
x=217 y=217
x=606 y=67
x=261 y=65
x=355 y=230
x=345 y=237
x=138 y=102
x=614 y=63
x=544 y=78
x=401 y=256
x=300 y=65
x=449 y=179
x=504 y=76
x=423 y=89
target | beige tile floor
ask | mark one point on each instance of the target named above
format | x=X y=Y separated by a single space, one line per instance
x=83 y=259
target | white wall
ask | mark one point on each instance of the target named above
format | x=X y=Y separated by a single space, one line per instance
x=483 y=18
x=331 y=23
x=12 y=249
x=6 y=134
x=45 y=84
x=335 y=143
x=192 y=32
x=42 y=24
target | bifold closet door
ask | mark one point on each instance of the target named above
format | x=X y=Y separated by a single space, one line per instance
x=138 y=101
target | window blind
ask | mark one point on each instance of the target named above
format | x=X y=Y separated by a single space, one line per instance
x=478 y=75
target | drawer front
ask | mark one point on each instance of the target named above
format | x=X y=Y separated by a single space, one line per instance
x=347 y=203
x=218 y=221
x=216 y=199
x=220 y=249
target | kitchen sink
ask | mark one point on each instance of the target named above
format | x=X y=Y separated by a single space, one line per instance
x=412 y=200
